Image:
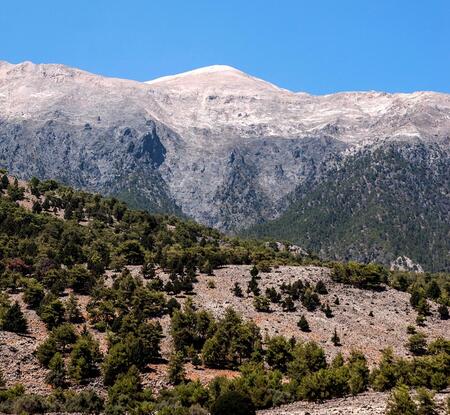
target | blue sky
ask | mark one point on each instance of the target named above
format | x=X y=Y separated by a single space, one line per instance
x=316 y=46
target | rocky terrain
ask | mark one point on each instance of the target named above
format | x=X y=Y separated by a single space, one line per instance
x=368 y=321
x=370 y=403
x=218 y=145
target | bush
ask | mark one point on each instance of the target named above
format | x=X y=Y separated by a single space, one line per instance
x=30 y=404
x=233 y=402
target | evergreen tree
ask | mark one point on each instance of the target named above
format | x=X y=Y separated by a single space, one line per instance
x=327 y=310
x=433 y=290
x=52 y=313
x=254 y=272
x=14 y=320
x=278 y=353
x=33 y=294
x=73 y=313
x=335 y=339
x=303 y=324
x=2 y=381
x=321 y=288
x=4 y=182
x=443 y=312
x=261 y=304
x=400 y=402
x=253 y=287
x=176 y=372
x=37 y=208
x=148 y=270
x=288 y=304
x=237 y=290
x=57 y=371
x=196 y=361
x=84 y=358
x=426 y=406
x=417 y=344
x=126 y=394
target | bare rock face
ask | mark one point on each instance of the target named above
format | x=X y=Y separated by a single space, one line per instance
x=215 y=144
x=403 y=263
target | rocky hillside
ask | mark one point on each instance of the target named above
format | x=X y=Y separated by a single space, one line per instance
x=214 y=144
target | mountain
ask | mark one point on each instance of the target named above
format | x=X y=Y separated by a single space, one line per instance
x=220 y=146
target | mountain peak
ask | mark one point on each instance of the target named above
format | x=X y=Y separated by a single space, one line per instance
x=214 y=77
x=206 y=70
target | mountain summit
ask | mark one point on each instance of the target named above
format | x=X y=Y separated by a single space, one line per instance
x=232 y=151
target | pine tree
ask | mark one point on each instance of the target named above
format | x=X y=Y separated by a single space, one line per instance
x=417 y=344
x=4 y=181
x=14 y=320
x=73 y=313
x=176 y=372
x=400 y=402
x=2 y=381
x=254 y=272
x=327 y=310
x=321 y=288
x=148 y=270
x=335 y=338
x=253 y=287
x=196 y=361
x=443 y=312
x=261 y=304
x=46 y=204
x=237 y=290
x=303 y=324
x=37 y=208
x=427 y=406
x=288 y=304
x=57 y=371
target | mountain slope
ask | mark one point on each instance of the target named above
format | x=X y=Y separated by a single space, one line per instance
x=214 y=144
x=374 y=206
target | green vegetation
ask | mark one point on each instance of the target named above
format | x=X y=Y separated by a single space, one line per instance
x=353 y=211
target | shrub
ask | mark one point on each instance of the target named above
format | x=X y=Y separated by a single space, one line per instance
x=233 y=402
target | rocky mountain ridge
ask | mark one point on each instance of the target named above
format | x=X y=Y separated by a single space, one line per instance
x=215 y=144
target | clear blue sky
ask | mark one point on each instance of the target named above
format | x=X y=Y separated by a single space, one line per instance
x=318 y=46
